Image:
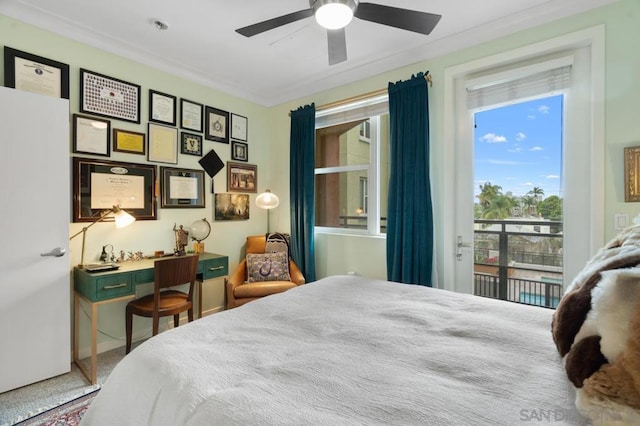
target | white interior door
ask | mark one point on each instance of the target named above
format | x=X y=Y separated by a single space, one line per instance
x=35 y=322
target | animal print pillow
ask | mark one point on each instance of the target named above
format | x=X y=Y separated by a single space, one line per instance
x=268 y=267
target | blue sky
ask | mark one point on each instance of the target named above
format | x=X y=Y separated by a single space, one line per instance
x=519 y=146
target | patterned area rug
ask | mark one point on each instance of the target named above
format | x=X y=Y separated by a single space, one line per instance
x=68 y=414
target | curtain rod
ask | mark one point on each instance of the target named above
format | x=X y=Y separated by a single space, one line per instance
x=363 y=96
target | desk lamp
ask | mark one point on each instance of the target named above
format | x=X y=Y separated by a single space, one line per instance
x=267 y=200
x=121 y=217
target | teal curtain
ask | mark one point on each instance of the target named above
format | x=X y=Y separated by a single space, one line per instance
x=302 y=189
x=409 y=216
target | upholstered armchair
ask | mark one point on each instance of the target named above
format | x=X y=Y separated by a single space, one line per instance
x=240 y=291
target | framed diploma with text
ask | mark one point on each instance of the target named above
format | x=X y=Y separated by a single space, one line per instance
x=182 y=188
x=91 y=135
x=32 y=73
x=109 y=97
x=191 y=115
x=99 y=185
x=130 y=142
x=162 y=108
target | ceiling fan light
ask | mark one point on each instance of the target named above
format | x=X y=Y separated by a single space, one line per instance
x=333 y=16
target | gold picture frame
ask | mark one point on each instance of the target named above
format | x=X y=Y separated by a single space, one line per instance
x=632 y=174
x=129 y=142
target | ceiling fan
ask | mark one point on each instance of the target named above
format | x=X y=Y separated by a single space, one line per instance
x=334 y=15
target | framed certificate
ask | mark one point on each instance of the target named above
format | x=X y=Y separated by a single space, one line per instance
x=239 y=127
x=32 y=73
x=91 y=135
x=99 y=185
x=216 y=126
x=162 y=108
x=130 y=142
x=163 y=144
x=191 y=115
x=182 y=188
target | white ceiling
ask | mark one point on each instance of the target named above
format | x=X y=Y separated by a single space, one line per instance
x=288 y=62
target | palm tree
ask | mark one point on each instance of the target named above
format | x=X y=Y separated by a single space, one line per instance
x=499 y=208
x=537 y=193
x=529 y=203
x=487 y=193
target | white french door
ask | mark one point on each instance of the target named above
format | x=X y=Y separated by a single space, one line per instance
x=583 y=153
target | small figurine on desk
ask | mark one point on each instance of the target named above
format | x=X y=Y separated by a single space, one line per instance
x=182 y=240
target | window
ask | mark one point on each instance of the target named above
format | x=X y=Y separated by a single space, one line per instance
x=352 y=168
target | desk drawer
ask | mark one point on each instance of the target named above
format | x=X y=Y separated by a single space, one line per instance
x=114 y=286
x=214 y=268
x=143 y=277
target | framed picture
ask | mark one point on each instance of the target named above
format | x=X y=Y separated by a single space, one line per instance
x=239 y=127
x=32 y=73
x=191 y=144
x=163 y=144
x=162 y=108
x=632 y=174
x=109 y=97
x=242 y=177
x=231 y=207
x=239 y=151
x=182 y=188
x=91 y=135
x=191 y=115
x=100 y=184
x=131 y=142
x=216 y=126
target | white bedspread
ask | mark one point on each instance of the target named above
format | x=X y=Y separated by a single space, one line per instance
x=345 y=351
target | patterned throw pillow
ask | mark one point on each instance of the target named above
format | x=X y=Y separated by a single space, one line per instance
x=268 y=267
x=277 y=242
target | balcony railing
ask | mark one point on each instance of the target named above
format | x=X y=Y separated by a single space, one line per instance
x=519 y=261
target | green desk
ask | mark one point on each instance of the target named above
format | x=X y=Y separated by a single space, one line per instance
x=96 y=288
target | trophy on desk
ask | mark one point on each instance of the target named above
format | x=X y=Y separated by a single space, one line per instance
x=182 y=240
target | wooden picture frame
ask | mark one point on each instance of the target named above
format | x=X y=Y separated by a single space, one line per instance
x=242 y=177
x=36 y=74
x=91 y=135
x=191 y=115
x=239 y=151
x=191 y=144
x=216 y=125
x=632 y=174
x=109 y=97
x=98 y=185
x=129 y=142
x=162 y=108
x=162 y=144
x=231 y=207
x=182 y=188
x=239 y=125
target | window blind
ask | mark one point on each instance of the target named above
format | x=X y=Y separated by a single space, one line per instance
x=539 y=83
x=358 y=110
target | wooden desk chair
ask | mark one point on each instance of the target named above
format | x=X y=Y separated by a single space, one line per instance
x=168 y=273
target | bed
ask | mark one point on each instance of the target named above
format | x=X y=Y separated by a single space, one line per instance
x=347 y=350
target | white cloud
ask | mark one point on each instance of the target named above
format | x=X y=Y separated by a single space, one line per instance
x=552 y=177
x=543 y=109
x=536 y=148
x=493 y=138
x=528 y=184
x=516 y=149
x=531 y=117
x=521 y=136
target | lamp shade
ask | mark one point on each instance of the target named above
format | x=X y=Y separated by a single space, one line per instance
x=122 y=218
x=334 y=14
x=267 y=200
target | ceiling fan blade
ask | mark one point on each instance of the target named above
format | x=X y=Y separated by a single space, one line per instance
x=405 y=19
x=337 y=46
x=270 y=24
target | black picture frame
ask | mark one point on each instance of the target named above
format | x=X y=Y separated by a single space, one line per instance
x=91 y=135
x=191 y=115
x=239 y=151
x=182 y=188
x=191 y=144
x=17 y=73
x=162 y=108
x=239 y=127
x=216 y=125
x=98 y=185
x=109 y=97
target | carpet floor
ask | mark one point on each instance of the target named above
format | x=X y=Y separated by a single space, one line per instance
x=25 y=402
x=67 y=414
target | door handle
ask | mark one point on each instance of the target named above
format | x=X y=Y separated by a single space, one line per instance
x=56 y=252
x=459 y=246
